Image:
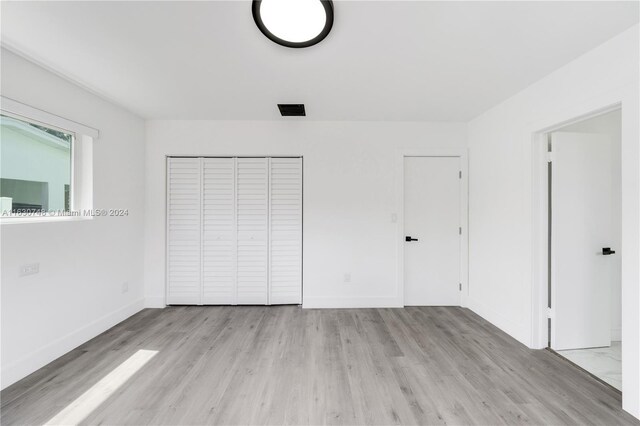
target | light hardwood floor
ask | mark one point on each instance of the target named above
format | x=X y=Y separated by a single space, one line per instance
x=285 y=365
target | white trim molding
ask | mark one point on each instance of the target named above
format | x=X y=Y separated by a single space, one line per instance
x=39 y=358
x=34 y=114
x=350 y=302
x=155 y=302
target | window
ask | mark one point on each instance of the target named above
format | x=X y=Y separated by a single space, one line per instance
x=35 y=168
x=46 y=165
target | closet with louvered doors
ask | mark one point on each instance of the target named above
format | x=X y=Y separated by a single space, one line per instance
x=234 y=231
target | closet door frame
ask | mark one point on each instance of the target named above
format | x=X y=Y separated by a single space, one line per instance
x=167 y=211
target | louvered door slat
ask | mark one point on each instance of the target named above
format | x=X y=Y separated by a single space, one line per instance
x=183 y=231
x=218 y=231
x=285 y=217
x=252 y=230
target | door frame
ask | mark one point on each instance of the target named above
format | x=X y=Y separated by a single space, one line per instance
x=460 y=153
x=577 y=105
x=542 y=240
x=545 y=120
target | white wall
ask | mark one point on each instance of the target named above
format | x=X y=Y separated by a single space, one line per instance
x=503 y=233
x=349 y=196
x=348 y=203
x=610 y=124
x=83 y=264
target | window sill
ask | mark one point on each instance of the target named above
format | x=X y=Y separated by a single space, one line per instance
x=23 y=220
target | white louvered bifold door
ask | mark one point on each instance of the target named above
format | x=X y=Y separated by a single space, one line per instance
x=234 y=231
x=285 y=231
x=252 y=230
x=183 y=231
x=218 y=232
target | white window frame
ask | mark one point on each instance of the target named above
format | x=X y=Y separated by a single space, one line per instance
x=81 y=182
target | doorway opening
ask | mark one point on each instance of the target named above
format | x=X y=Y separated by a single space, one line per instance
x=584 y=238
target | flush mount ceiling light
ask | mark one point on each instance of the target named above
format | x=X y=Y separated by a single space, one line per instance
x=294 y=23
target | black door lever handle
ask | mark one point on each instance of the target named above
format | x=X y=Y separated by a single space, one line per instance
x=606 y=251
x=410 y=239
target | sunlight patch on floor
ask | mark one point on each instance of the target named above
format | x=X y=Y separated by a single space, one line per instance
x=79 y=409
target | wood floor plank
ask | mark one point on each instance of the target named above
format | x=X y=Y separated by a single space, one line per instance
x=285 y=365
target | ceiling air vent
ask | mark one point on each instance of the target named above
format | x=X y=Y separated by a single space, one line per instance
x=291 y=110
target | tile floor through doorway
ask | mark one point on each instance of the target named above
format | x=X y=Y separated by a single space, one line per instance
x=604 y=363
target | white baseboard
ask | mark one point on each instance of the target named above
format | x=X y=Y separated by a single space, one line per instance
x=39 y=358
x=515 y=330
x=155 y=302
x=616 y=334
x=359 y=302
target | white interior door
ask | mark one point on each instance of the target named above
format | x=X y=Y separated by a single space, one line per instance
x=581 y=226
x=432 y=188
x=252 y=194
x=285 y=239
x=218 y=232
x=183 y=231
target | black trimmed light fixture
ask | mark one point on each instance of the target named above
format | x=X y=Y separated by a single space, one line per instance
x=294 y=23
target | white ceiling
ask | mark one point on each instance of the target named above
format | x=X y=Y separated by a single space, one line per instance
x=384 y=60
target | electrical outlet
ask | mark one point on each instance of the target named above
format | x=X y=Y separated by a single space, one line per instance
x=29 y=269
x=347 y=277
x=394 y=218
x=125 y=287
